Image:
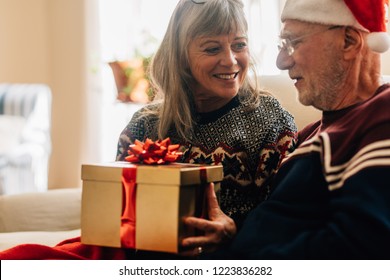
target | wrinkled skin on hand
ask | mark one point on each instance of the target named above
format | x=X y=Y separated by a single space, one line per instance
x=218 y=229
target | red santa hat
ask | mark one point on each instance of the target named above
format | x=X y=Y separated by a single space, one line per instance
x=367 y=15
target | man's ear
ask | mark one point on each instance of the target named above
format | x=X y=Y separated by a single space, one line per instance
x=353 y=42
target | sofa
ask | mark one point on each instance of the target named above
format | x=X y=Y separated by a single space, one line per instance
x=25 y=144
x=39 y=217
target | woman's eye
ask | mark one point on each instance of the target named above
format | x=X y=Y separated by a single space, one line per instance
x=212 y=50
x=239 y=46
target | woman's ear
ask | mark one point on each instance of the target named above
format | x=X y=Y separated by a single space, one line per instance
x=353 y=42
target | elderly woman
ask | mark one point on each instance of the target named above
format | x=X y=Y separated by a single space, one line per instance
x=206 y=101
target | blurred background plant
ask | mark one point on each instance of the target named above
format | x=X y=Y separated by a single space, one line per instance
x=131 y=76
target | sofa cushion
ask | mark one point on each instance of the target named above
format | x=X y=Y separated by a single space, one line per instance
x=53 y=210
x=11 y=128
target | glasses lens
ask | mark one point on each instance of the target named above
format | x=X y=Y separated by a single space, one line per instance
x=198 y=2
x=282 y=44
x=288 y=45
x=285 y=44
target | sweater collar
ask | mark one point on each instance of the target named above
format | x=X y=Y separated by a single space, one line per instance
x=205 y=118
x=329 y=117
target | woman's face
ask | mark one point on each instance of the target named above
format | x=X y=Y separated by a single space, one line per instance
x=219 y=65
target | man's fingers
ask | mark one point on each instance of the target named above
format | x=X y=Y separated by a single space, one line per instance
x=212 y=202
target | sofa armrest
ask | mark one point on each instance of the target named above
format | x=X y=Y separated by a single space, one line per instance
x=53 y=210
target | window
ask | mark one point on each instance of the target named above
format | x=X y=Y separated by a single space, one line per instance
x=264 y=26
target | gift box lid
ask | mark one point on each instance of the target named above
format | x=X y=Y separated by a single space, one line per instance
x=167 y=174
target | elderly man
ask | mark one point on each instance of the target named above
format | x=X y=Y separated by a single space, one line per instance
x=332 y=195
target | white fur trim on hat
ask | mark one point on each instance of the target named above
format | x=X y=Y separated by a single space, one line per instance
x=328 y=12
x=378 y=41
x=337 y=12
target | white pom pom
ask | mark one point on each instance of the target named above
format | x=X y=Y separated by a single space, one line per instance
x=378 y=41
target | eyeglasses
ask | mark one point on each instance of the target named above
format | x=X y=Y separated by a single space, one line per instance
x=198 y=2
x=289 y=45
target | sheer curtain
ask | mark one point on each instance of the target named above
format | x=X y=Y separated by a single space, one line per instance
x=131 y=27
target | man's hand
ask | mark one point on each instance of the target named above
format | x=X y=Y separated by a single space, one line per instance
x=218 y=230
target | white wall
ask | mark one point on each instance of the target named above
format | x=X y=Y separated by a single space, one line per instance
x=24 y=41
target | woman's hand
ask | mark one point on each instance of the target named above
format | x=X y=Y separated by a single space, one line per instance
x=219 y=229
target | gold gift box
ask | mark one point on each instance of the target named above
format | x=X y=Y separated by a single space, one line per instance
x=164 y=194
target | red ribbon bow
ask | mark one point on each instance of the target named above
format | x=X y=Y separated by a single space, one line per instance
x=150 y=152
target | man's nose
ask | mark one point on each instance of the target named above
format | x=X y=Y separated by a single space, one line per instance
x=284 y=61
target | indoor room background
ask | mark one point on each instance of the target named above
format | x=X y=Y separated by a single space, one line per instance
x=68 y=45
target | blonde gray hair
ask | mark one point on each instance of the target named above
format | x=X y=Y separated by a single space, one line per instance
x=170 y=74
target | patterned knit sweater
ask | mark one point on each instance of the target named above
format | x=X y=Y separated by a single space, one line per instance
x=249 y=143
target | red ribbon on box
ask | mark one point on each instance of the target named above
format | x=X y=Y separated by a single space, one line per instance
x=150 y=152
x=127 y=230
x=201 y=201
x=128 y=218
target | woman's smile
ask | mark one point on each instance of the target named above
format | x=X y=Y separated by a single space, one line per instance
x=226 y=76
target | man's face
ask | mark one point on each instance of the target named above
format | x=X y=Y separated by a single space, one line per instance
x=315 y=64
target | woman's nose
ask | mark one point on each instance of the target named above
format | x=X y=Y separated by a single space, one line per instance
x=229 y=58
x=284 y=60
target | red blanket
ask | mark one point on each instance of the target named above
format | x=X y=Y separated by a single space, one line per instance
x=70 y=249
